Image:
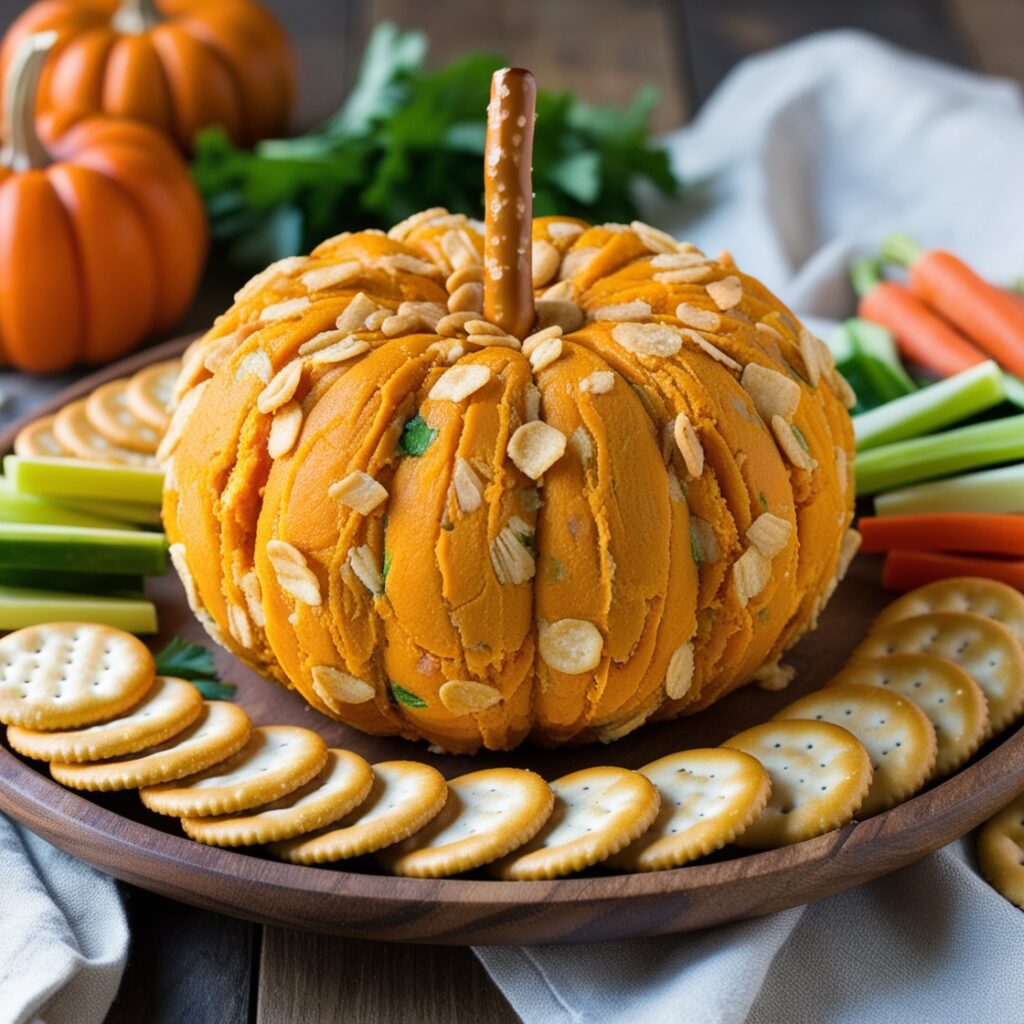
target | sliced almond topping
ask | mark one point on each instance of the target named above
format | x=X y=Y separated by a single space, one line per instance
x=239 y=625
x=282 y=387
x=333 y=276
x=535 y=447
x=358 y=491
x=843 y=391
x=511 y=559
x=494 y=341
x=399 y=324
x=809 y=352
x=791 y=446
x=458 y=383
x=467 y=297
x=576 y=260
x=701 y=319
x=560 y=292
x=531 y=403
x=284 y=310
x=410 y=265
x=545 y=354
x=356 y=313
x=558 y=312
x=428 y=312
x=180 y=563
x=774 y=676
x=772 y=393
x=599 y=382
x=333 y=687
x=459 y=250
x=469 y=488
x=347 y=348
x=618 y=312
x=179 y=421
x=688 y=444
x=653 y=238
x=546 y=261
x=364 y=567
x=725 y=293
x=249 y=585
x=455 y=323
x=284 y=430
x=293 y=573
x=675 y=488
x=276 y=275
x=712 y=350
x=685 y=275
x=257 y=363
x=538 y=337
x=473 y=274
x=579 y=441
x=842 y=469
x=751 y=573
x=702 y=534
x=217 y=351
x=323 y=340
x=571 y=646
x=564 y=229
x=612 y=731
x=680 y=672
x=464 y=696
x=768 y=330
x=404 y=228
x=678 y=260
x=847 y=552
x=769 y=534
x=478 y=326
x=648 y=339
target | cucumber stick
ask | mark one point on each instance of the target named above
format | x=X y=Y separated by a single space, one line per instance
x=76 y=479
x=21 y=607
x=82 y=549
x=131 y=514
x=16 y=507
x=73 y=582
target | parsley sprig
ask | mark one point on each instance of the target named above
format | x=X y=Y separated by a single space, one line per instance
x=185 y=660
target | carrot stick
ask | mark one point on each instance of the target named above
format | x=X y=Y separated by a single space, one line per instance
x=987 y=315
x=922 y=337
x=944 y=531
x=907 y=570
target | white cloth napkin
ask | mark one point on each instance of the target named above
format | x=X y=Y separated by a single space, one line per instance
x=804 y=156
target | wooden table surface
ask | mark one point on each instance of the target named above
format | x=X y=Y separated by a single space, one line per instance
x=188 y=966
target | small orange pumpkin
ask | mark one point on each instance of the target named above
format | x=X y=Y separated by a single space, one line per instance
x=180 y=65
x=102 y=233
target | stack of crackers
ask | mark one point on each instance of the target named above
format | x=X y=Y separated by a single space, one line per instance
x=941 y=671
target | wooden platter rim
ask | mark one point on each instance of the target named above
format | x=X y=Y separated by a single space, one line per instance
x=146 y=856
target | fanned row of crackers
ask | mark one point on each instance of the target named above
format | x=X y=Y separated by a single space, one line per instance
x=121 y=422
x=941 y=671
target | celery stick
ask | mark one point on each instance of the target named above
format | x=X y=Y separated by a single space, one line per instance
x=127 y=512
x=79 y=549
x=931 y=408
x=74 y=478
x=74 y=582
x=20 y=607
x=16 y=507
x=946 y=454
x=992 y=490
x=1014 y=390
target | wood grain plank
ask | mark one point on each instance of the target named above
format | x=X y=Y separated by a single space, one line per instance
x=185 y=966
x=318 y=980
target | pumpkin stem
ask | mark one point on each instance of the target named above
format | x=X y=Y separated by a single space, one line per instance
x=508 y=201
x=134 y=17
x=24 y=150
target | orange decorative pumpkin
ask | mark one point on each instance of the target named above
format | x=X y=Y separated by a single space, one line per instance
x=180 y=65
x=102 y=233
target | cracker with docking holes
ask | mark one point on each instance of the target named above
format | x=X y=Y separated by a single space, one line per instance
x=984 y=648
x=708 y=798
x=487 y=814
x=975 y=594
x=820 y=775
x=169 y=708
x=895 y=732
x=1001 y=851
x=597 y=812
x=220 y=731
x=150 y=393
x=405 y=796
x=276 y=761
x=950 y=698
x=343 y=783
x=38 y=441
x=74 y=432
x=107 y=410
x=63 y=675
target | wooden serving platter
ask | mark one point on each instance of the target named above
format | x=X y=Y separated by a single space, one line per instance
x=117 y=835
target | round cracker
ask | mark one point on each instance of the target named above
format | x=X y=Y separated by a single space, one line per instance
x=169 y=708
x=487 y=814
x=597 y=812
x=974 y=594
x=708 y=798
x=63 y=675
x=220 y=731
x=74 y=432
x=38 y=441
x=343 y=783
x=950 y=698
x=276 y=761
x=820 y=774
x=984 y=648
x=895 y=732
x=405 y=796
x=107 y=410
x=151 y=391
x=1001 y=851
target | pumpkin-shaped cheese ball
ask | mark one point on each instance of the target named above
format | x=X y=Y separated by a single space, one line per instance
x=616 y=495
